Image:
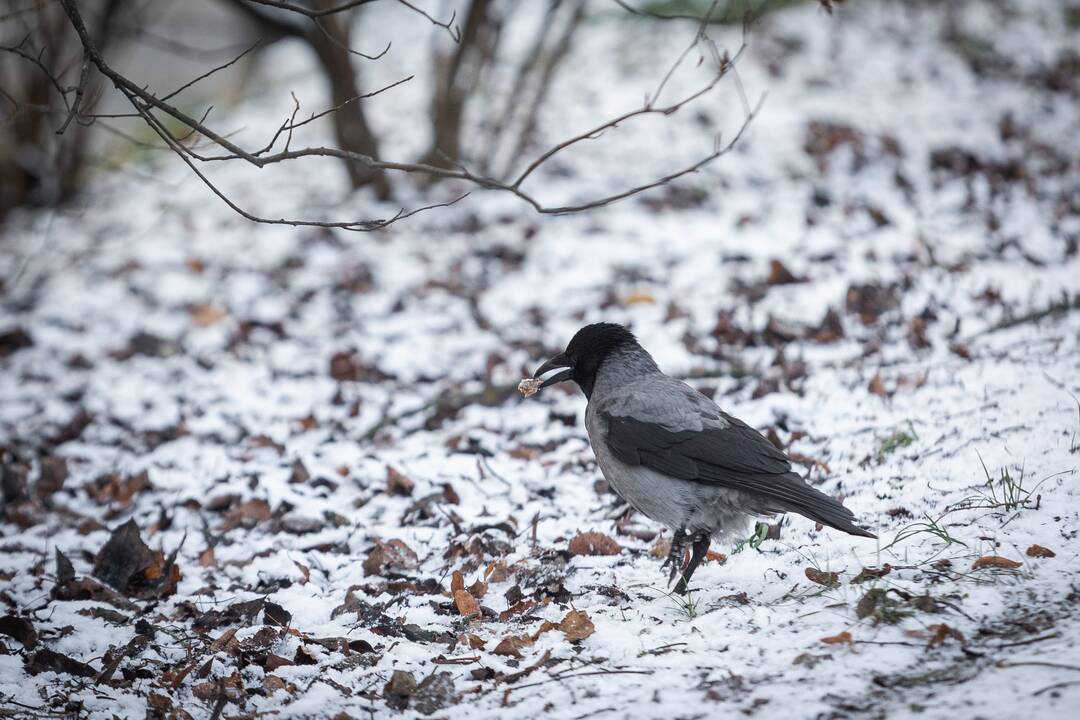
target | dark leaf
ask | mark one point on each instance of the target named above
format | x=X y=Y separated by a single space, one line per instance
x=11 y=341
x=46 y=660
x=277 y=615
x=19 y=628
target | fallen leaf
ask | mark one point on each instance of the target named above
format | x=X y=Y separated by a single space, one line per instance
x=521 y=607
x=271 y=684
x=1040 y=552
x=466 y=604
x=19 y=628
x=871 y=573
x=810 y=660
x=397 y=483
x=995 y=561
x=512 y=645
x=457 y=582
x=247 y=515
x=475 y=642
x=299 y=473
x=123 y=556
x=594 y=543
x=498 y=571
x=45 y=660
x=206 y=314
x=843 y=638
x=780 y=275
x=828 y=579
x=112 y=488
x=943 y=632
x=390 y=556
x=276 y=615
x=478 y=589
x=577 y=625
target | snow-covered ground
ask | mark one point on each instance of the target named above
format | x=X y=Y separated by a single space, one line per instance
x=328 y=427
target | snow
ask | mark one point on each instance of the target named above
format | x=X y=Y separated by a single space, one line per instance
x=83 y=281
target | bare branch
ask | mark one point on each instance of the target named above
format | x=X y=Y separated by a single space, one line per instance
x=146 y=104
x=356 y=226
x=316 y=13
x=210 y=72
x=80 y=90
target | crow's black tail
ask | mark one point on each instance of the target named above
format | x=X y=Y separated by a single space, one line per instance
x=790 y=493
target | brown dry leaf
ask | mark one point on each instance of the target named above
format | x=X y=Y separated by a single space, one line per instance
x=524 y=453
x=206 y=557
x=123 y=557
x=394 y=555
x=498 y=571
x=917 y=333
x=113 y=488
x=780 y=275
x=869 y=573
x=843 y=638
x=522 y=607
x=995 y=561
x=397 y=483
x=512 y=645
x=1040 y=552
x=478 y=589
x=577 y=625
x=466 y=604
x=457 y=583
x=247 y=514
x=960 y=350
x=594 y=543
x=943 y=632
x=544 y=627
x=877 y=386
x=828 y=579
x=305 y=571
x=206 y=314
x=715 y=556
x=271 y=684
x=474 y=641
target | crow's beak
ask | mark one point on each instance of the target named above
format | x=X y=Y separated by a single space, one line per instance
x=559 y=361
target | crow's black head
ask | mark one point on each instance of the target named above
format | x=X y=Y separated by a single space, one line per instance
x=585 y=353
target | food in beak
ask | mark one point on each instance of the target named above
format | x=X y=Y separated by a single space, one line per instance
x=529 y=386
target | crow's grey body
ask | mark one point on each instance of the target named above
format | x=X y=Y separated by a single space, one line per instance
x=675 y=456
x=630 y=385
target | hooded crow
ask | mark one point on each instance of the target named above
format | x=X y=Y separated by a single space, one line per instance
x=675 y=456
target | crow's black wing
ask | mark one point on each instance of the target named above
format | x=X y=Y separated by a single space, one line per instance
x=735 y=456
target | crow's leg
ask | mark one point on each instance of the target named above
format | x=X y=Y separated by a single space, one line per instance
x=697 y=554
x=675 y=555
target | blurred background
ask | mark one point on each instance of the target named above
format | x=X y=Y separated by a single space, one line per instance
x=271 y=270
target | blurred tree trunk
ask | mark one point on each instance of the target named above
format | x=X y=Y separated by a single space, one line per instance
x=350 y=124
x=456 y=75
x=37 y=166
x=331 y=46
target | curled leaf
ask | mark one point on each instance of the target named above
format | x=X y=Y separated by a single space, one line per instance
x=843 y=638
x=466 y=604
x=828 y=579
x=577 y=625
x=594 y=543
x=995 y=561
